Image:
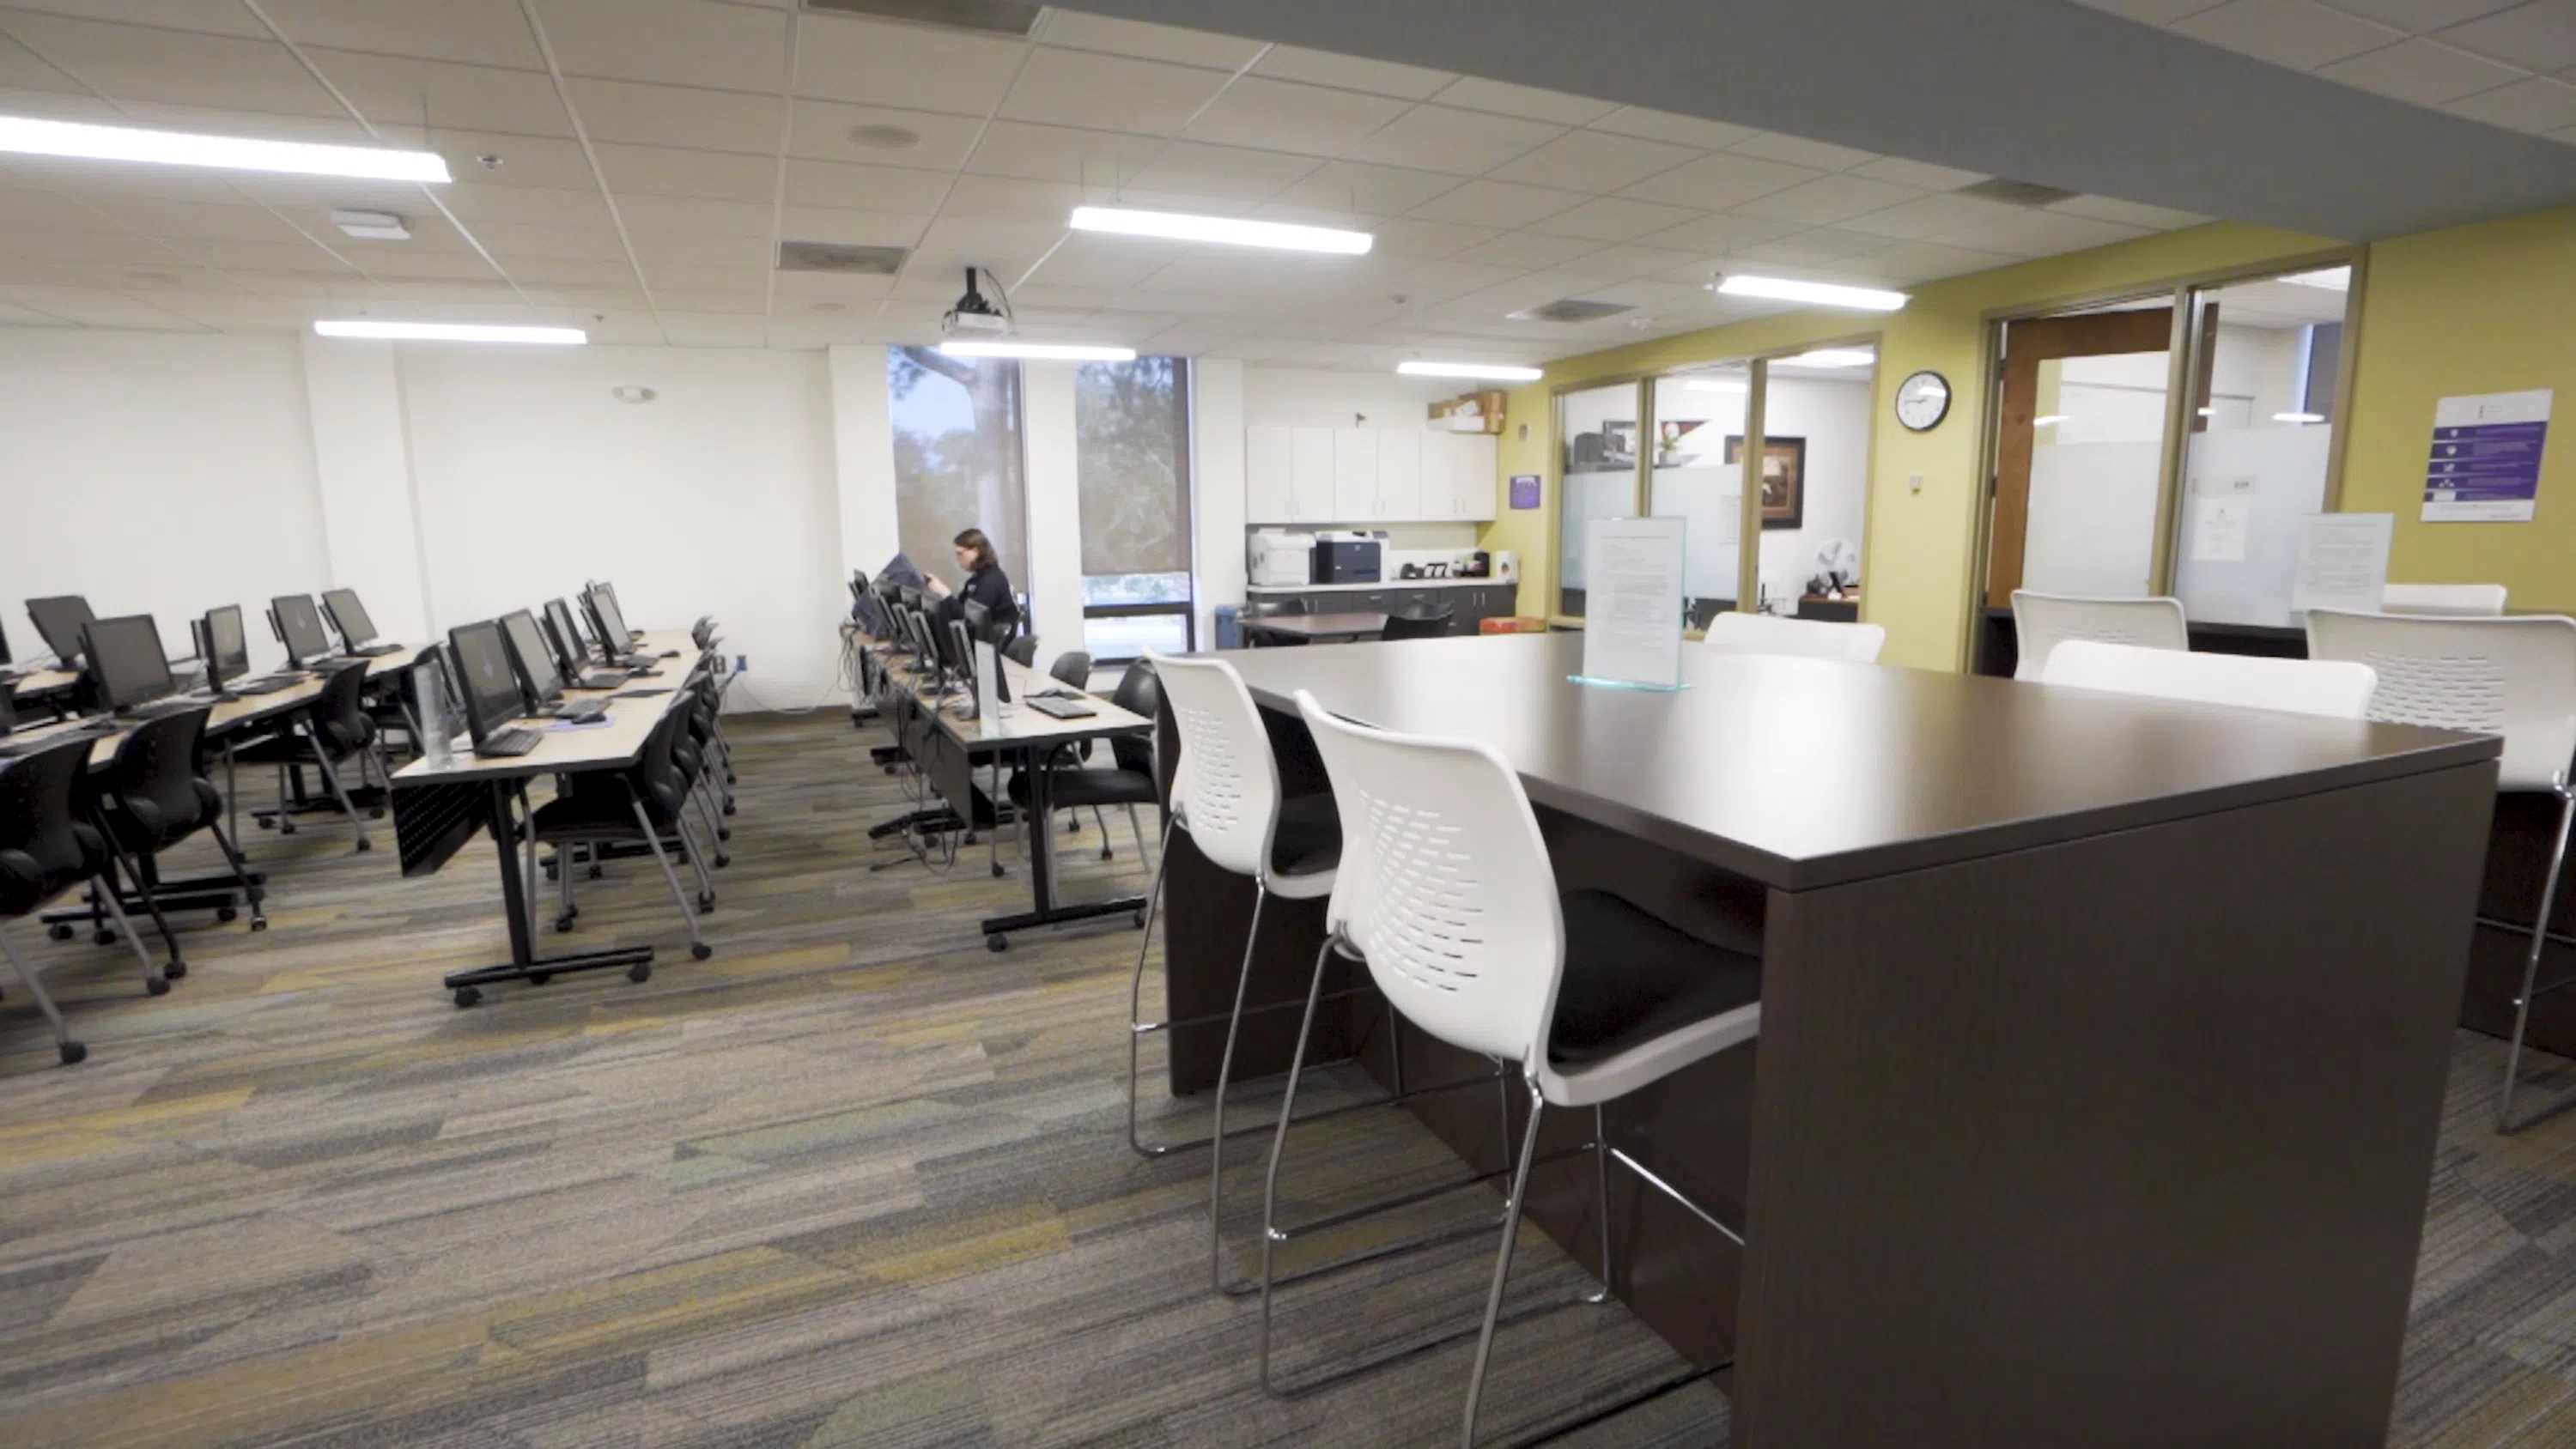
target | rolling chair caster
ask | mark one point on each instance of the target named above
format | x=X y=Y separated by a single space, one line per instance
x=365 y=845
x=642 y=971
x=468 y=996
x=706 y=904
x=540 y=978
x=998 y=872
x=997 y=942
x=1105 y=853
x=595 y=870
x=156 y=985
x=175 y=971
x=700 y=951
x=259 y=923
x=285 y=826
x=104 y=936
x=563 y=923
x=723 y=860
x=58 y=932
x=728 y=807
x=73 y=1052
x=724 y=832
x=227 y=914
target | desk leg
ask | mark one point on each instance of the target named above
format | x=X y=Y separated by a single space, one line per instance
x=1043 y=910
x=524 y=963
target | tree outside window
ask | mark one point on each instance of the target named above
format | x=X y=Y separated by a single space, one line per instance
x=1131 y=462
x=958 y=462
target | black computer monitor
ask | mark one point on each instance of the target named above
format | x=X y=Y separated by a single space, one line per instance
x=125 y=661
x=299 y=627
x=572 y=651
x=348 y=616
x=59 y=619
x=613 y=638
x=540 y=683
x=481 y=655
x=223 y=645
x=969 y=668
x=4 y=645
x=979 y=624
x=608 y=591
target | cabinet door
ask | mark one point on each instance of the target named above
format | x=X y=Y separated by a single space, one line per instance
x=1399 y=472
x=1355 y=475
x=1476 y=459
x=1310 y=475
x=1438 y=484
x=1267 y=496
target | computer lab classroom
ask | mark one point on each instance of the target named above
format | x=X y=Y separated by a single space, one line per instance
x=955 y=724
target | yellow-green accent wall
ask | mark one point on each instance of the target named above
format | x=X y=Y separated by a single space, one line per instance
x=1919 y=553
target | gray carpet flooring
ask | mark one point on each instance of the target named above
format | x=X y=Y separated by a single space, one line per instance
x=854 y=1181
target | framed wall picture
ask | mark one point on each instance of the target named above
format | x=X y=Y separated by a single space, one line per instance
x=1784 y=479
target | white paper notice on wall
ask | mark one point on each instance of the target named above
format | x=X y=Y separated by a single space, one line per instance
x=2343 y=561
x=1632 y=608
x=2485 y=462
x=2222 y=519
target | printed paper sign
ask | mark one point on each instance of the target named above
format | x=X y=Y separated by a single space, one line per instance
x=2485 y=465
x=1632 y=624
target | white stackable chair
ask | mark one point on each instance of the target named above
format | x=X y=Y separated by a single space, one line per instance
x=2042 y=621
x=1226 y=794
x=2301 y=686
x=2462 y=600
x=1448 y=894
x=2509 y=677
x=1740 y=633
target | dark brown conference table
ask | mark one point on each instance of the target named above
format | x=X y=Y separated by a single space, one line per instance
x=2103 y=1048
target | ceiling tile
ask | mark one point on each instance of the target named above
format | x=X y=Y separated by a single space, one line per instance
x=714 y=329
x=1527 y=102
x=1680 y=130
x=1372 y=190
x=2533 y=105
x=1712 y=236
x=1829 y=199
x=1497 y=204
x=22 y=69
x=921 y=67
x=1613 y=218
x=2296 y=33
x=1222 y=170
x=2423 y=16
x=509 y=240
x=1527 y=250
x=675 y=42
x=673 y=171
x=132 y=63
x=1595 y=161
x=403 y=96
x=1060 y=153
x=1406 y=236
x=477 y=32
x=1108 y=92
x=1813 y=247
x=696 y=216
x=1103 y=261
x=1715 y=183
x=1379 y=77
x=1004 y=198
x=1079 y=31
x=1930 y=218
x=822 y=131
x=1798 y=151
x=478 y=202
x=193 y=221
x=851 y=228
x=659 y=115
x=2149 y=12
x=746 y=273
x=525 y=160
x=720 y=253
x=2423 y=71
x=866 y=188
x=2537 y=36
x=2041 y=233
x=2130 y=213
x=339 y=129
x=1918 y=173
x=1629 y=262
x=571 y=272
x=211 y=17
x=1008 y=247
x=1285 y=116
x=1465 y=143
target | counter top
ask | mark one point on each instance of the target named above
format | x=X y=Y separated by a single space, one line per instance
x=1453 y=580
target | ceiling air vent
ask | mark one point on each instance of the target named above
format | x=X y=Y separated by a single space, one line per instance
x=796 y=256
x=1006 y=17
x=1570 y=309
x=2016 y=193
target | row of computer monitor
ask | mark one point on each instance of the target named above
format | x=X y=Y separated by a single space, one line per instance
x=520 y=664
x=941 y=634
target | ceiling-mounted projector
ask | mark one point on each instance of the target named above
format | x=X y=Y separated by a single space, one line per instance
x=973 y=316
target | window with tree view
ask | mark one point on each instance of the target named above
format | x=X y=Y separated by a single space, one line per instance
x=1131 y=459
x=957 y=459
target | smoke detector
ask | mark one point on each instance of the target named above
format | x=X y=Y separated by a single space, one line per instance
x=372 y=225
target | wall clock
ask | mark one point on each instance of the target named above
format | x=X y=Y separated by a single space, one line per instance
x=1923 y=400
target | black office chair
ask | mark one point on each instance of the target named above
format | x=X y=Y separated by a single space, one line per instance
x=46 y=849
x=1130 y=783
x=1419 y=622
x=1023 y=651
x=154 y=797
x=1274 y=609
x=641 y=805
x=333 y=729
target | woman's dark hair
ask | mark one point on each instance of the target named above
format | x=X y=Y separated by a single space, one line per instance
x=974 y=538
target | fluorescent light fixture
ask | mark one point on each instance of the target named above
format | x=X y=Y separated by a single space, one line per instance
x=1040 y=351
x=1229 y=230
x=1713 y=384
x=1822 y=294
x=2049 y=420
x=2332 y=279
x=2208 y=412
x=31 y=137
x=2298 y=417
x=452 y=332
x=1834 y=357
x=1488 y=371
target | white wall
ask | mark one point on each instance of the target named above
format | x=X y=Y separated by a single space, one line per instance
x=1217 y=481
x=717 y=497
x=1833 y=416
x=155 y=473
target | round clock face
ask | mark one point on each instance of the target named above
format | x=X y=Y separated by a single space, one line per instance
x=1923 y=400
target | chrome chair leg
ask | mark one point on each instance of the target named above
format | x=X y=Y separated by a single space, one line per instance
x=2531 y=963
x=1103 y=826
x=1136 y=829
x=70 y=1050
x=155 y=979
x=1137 y=1026
x=1502 y=1267
x=331 y=776
x=251 y=895
x=565 y=855
x=1224 y=1079
x=653 y=841
x=1601 y=1181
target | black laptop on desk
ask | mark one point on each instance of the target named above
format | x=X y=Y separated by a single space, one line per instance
x=128 y=669
x=225 y=647
x=59 y=619
x=573 y=652
x=298 y=626
x=357 y=631
x=541 y=687
x=481 y=655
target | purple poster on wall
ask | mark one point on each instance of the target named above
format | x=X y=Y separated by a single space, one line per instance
x=2485 y=464
x=1525 y=490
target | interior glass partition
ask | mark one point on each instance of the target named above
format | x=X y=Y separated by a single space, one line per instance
x=2255 y=461
x=1817 y=412
x=1598 y=428
x=2096 y=446
x=1697 y=473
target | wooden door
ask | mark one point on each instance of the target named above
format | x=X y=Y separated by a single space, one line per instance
x=2026 y=346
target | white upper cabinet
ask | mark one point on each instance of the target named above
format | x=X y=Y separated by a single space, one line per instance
x=1268 y=496
x=1399 y=472
x=1475 y=457
x=1355 y=476
x=1313 y=477
x=1310 y=475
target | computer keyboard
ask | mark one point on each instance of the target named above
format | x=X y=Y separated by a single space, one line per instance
x=582 y=716
x=267 y=684
x=601 y=679
x=512 y=741
x=164 y=708
x=376 y=651
x=1061 y=708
